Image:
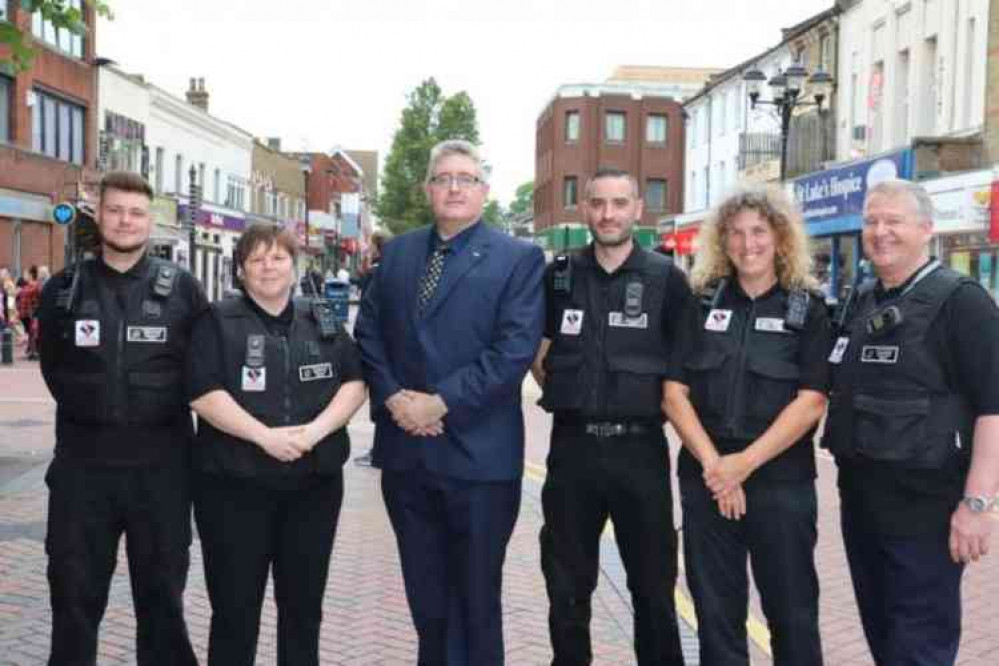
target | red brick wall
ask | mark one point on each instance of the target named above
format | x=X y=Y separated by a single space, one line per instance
x=555 y=159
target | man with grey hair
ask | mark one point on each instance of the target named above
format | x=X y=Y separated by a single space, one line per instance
x=914 y=425
x=448 y=327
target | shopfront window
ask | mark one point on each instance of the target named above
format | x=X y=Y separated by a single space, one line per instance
x=975 y=256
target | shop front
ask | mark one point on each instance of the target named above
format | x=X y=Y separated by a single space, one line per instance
x=966 y=225
x=217 y=235
x=832 y=202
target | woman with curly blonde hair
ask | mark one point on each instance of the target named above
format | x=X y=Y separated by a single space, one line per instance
x=793 y=259
x=745 y=392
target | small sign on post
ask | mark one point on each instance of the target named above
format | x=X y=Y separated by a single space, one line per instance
x=64 y=213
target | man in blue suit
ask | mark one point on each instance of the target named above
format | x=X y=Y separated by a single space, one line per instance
x=448 y=328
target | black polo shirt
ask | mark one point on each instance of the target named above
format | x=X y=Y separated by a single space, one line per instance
x=919 y=502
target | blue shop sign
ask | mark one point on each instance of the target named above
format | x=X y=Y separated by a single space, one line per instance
x=833 y=200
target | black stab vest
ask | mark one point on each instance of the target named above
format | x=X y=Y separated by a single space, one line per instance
x=296 y=381
x=891 y=399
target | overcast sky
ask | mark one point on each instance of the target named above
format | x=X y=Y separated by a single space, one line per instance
x=326 y=73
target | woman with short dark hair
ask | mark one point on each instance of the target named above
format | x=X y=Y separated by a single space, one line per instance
x=274 y=382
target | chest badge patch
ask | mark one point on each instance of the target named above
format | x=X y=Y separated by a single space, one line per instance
x=836 y=356
x=88 y=333
x=770 y=324
x=718 y=321
x=315 y=372
x=154 y=334
x=878 y=354
x=572 y=322
x=620 y=320
x=254 y=379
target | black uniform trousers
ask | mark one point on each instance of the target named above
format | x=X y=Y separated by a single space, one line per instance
x=625 y=478
x=778 y=534
x=90 y=507
x=908 y=591
x=452 y=536
x=249 y=528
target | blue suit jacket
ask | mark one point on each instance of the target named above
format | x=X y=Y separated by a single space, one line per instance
x=472 y=346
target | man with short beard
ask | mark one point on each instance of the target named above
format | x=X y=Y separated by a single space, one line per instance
x=114 y=334
x=609 y=330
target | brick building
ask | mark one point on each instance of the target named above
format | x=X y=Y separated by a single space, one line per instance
x=585 y=127
x=47 y=137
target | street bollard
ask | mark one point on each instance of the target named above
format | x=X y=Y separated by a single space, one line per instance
x=7 y=346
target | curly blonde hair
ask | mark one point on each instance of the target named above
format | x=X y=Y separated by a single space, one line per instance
x=792 y=256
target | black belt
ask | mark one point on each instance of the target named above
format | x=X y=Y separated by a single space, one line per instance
x=614 y=428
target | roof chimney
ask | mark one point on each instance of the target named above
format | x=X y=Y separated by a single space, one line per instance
x=274 y=143
x=197 y=95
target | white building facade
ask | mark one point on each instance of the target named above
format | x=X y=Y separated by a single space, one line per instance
x=909 y=68
x=163 y=137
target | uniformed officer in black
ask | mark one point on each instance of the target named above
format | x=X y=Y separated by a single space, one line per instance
x=601 y=364
x=114 y=334
x=274 y=382
x=914 y=425
x=747 y=389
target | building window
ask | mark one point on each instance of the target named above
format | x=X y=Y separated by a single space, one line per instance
x=6 y=93
x=614 y=127
x=655 y=194
x=235 y=193
x=656 y=129
x=217 y=190
x=4 y=12
x=570 y=192
x=57 y=128
x=825 y=53
x=59 y=38
x=571 y=126
x=124 y=139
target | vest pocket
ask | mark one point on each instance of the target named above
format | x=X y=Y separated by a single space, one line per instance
x=84 y=397
x=891 y=429
x=773 y=384
x=154 y=398
x=708 y=386
x=639 y=388
x=564 y=385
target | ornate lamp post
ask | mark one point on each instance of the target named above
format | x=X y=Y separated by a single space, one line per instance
x=786 y=91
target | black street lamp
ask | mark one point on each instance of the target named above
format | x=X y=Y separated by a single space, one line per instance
x=305 y=163
x=786 y=90
x=193 y=206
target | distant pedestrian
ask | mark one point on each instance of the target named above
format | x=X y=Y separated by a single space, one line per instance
x=27 y=303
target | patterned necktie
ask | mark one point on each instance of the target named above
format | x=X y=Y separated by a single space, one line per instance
x=431 y=276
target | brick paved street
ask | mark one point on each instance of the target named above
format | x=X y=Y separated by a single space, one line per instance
x=366 y=620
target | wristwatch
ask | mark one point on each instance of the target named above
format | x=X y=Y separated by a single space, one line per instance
x=979 y=503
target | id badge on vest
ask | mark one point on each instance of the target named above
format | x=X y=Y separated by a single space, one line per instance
x=88 y=333
x=254 y=379
x=718 y=321
x=572 y=322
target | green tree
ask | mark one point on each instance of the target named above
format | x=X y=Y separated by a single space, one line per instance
x=429 y=117
x=493 y=214
x=56 y=12
x=523 y=200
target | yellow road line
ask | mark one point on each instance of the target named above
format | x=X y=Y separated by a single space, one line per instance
x=757 y=630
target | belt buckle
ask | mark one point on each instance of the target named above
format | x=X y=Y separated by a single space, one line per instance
x=610 y=429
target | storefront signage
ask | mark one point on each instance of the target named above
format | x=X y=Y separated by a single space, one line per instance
x=681 y=242
x=994 y=213
x=833 y=200
x=25 y=209
x=212 y=220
